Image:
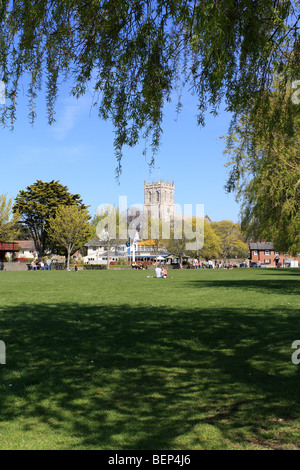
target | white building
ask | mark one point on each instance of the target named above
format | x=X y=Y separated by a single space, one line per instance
x=137 y=251
x=97 y=252
x=27 y=249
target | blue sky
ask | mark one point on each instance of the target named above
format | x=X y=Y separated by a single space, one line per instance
x=78 y=151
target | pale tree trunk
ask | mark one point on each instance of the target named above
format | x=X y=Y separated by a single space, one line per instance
x=108 y=252
x=68 y=258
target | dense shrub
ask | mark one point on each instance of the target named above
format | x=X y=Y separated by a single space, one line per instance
x=95 y=266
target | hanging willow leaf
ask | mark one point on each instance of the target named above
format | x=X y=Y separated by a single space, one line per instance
x=135 y=54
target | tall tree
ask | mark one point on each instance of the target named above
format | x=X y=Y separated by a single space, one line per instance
x=135 y=54
x=232 y=242
x=8 y=220
x=212 y=243
x=37 y=204
x=70 y=228
x=266 y=180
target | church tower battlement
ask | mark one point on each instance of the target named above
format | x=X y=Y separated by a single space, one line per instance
x=159 y=196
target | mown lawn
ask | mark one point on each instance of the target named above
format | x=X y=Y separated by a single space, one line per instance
x=118 y=360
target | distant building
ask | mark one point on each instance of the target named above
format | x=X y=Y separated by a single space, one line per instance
x=6 y=249
x=26 y=249
x=264 y=253
x=138 y=251
x=159 y=198
x=97 y=252
x=144 y=232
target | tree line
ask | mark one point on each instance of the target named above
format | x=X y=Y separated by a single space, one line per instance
x=59 y=222
x=47 y=212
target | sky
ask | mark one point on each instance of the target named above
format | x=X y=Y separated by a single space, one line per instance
x=77 y=150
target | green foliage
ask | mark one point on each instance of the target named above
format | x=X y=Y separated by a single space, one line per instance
x=212 y=243
x=92 y=267
x=199 y=230
x=8 y=220
x=135 y=54
x=232 y=242
x=266 y=179
x=70 y=228
x=38 y=204
x=175 y=246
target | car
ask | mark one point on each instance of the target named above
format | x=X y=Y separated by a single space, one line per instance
x=257 y=265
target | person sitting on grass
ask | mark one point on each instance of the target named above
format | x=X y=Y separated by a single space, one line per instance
x=158 y=271
x=164 y=273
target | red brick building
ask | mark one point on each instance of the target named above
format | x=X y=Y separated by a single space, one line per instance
x=264 y=253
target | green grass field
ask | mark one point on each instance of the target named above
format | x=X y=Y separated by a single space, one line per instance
x=117 y=360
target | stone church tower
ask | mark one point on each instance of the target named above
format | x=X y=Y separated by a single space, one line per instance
x=159 y=198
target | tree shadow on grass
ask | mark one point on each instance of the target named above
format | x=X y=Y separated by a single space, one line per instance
x=282 y=272
x=269 y=286
x=125 y=377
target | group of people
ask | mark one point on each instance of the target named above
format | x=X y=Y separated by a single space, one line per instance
x=136 y=266
x=161 y=272
x=35 y=265
x=208 y=264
